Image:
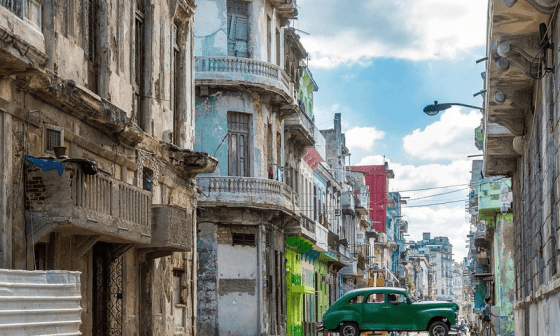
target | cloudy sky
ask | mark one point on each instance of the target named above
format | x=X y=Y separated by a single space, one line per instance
x=379 y=63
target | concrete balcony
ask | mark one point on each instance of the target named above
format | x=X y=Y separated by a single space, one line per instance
x=286 y=9
x=347 y=203
x=301 y=128
x=172 y=228
x=362 y=201
x=510 y=78
x=22 y=48
x=72 y=199
x=304 y=227
x=239 y=71
x=247 y=192
x=322 y=234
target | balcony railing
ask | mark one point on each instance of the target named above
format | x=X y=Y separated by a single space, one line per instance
x=305 y=228
x=229 y=70
x=347 y=203
x=84 y=203
x=14 y=6
x=302 y=128
x=246 y=192
x=333 y=242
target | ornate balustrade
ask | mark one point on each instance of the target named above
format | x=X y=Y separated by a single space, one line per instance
x=246 y=192
x=227 y=70
x=79 y=202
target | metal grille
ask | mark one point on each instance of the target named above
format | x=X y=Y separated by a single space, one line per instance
x=91 y=29
x=52 y=139
x=247 y=239
x=107 y=293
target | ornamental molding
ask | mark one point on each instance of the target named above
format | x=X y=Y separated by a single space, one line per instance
x=502 y=166
x=504 y=146
x=542 y=6
x=514 y=123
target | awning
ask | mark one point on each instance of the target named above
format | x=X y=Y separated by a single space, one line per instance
x=313 y=158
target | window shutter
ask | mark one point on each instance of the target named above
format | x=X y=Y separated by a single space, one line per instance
x=231 y=35
x=242 y=29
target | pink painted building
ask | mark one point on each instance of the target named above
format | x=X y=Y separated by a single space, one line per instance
x=377 y=179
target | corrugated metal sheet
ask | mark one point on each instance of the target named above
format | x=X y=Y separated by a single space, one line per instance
x=39 y=303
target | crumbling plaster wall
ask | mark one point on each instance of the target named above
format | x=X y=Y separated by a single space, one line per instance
x=65 y=40
x=211 y=29
x=211 y=128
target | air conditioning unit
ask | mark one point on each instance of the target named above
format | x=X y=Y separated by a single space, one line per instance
x=337 y=212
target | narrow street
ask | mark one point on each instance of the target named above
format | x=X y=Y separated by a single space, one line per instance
x=278 y=168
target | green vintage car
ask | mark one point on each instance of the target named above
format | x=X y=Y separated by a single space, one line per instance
x=387 y=309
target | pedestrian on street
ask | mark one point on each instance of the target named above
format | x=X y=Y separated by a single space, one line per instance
x=487 y=321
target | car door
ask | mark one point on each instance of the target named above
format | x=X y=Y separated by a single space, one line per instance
x=399 y=312
x=373 y=313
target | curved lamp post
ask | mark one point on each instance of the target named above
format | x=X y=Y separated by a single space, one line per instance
x=434 y=108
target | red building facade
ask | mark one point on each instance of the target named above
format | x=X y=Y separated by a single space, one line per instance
x=377 y=178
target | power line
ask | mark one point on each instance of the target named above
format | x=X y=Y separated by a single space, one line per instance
x=445 y=193
x=426 y=205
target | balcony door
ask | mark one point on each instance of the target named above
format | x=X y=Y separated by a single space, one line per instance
x=239 y=135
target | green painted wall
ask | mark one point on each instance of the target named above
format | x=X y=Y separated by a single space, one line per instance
x=322 y=269
x=294 y=302
x=306 y=92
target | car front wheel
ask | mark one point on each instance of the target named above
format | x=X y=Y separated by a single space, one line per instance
x=439 y=329
x=349 y=329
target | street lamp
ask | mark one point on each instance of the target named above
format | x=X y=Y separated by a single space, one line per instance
x=434 y=108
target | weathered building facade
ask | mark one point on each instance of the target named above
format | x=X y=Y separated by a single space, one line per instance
x=97 y=170
x=247 y=76
x=521 y=140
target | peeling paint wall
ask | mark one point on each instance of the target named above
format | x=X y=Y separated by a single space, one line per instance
x=504 y=273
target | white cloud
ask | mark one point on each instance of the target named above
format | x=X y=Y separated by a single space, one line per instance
x=449 y=138
x=441 y=220
x=356 y=31
x=363 y=138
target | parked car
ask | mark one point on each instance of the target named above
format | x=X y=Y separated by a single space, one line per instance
x=388 y=309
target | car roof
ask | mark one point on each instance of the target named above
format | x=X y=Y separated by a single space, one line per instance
x=380 y=289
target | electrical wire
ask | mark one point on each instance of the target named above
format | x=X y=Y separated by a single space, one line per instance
x=427 y=205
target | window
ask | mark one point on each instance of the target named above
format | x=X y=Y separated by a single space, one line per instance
x=277 y=47
x=90 y=7
x=138 y=59
x=357 y=299
x=238 y=131
x=375 y=298
x=268 y=39
x=395 y=298
x=53 y=138
x=179 y=308
x=238 y=28
x=245 y=239
x=175 y=73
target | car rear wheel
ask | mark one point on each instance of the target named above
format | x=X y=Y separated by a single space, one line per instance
x=349 y=329
x=439 y=329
